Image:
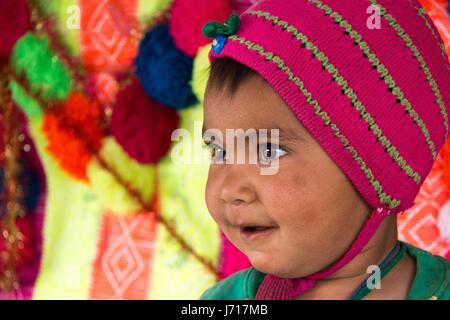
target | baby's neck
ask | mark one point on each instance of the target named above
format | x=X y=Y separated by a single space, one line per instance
x=342 y=284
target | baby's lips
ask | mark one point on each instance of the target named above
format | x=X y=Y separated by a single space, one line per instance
x=254 y=225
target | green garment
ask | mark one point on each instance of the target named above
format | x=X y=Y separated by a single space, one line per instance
x=432 y=280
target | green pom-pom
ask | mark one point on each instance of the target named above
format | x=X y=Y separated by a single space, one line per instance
x=33 y=57
x=27 y=104
x=213 y=28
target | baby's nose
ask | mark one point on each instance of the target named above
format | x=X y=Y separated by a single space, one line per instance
x=237 y=187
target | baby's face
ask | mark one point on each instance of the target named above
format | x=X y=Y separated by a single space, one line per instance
x=310 y=210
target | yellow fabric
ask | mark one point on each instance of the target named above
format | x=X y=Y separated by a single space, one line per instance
x=113 y=195
x=200 y=72
x=71 y=229
x=24 y=101
x=67 y=13
x=148 y=8
x=176 y=275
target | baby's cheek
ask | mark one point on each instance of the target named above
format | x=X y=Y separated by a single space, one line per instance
x=212 y=196
x=289 y=198
x=300 y=205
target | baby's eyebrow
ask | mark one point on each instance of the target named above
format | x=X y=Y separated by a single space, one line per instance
x=285 y=134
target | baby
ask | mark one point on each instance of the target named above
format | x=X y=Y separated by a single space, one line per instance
x=357 y=95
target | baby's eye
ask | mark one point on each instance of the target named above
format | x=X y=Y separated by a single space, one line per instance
x=270 y=152
x=217 y=153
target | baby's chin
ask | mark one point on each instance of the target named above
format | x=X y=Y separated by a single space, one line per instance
x=271 y=264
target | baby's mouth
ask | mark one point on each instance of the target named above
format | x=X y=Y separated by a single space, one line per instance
x=251 y=233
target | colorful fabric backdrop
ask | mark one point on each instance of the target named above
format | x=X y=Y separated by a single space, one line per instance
x=92 y=205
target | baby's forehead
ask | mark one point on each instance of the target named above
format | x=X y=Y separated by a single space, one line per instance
x=252 y=95
x=270 y=127
x=255 y=104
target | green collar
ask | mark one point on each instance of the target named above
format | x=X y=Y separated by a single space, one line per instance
x=432 y=279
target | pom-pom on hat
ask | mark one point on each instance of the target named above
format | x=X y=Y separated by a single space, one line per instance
x=141 y=125
x=376 y=99
x=73 y=134
x=164 y=70
x=188 y=17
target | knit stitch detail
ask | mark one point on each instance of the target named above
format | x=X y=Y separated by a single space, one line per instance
x=385 y=75
x=269 y=56
x=423 y=65
x=321 y=56
x=422 y=13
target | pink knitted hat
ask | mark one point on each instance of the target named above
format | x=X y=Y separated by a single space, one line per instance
x=376 y=99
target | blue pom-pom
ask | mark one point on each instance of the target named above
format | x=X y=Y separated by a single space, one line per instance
x=32 y=188
x=165 y=72
x=29 y=181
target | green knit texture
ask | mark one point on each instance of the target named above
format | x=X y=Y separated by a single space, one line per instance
x=382 y=70
x=416 y=54
x=383 y=197
x=422 y=13
x=327 y=65
x=45 y=73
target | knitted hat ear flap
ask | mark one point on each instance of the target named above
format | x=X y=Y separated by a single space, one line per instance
x=276 y=288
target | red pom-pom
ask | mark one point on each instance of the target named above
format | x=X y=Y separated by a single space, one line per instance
x=142 y=126
x=189 y=16
x=14 y=22
x=73 y=133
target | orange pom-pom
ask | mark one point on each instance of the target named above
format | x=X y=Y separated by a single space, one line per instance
x=429 y=3
x=74 y=134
